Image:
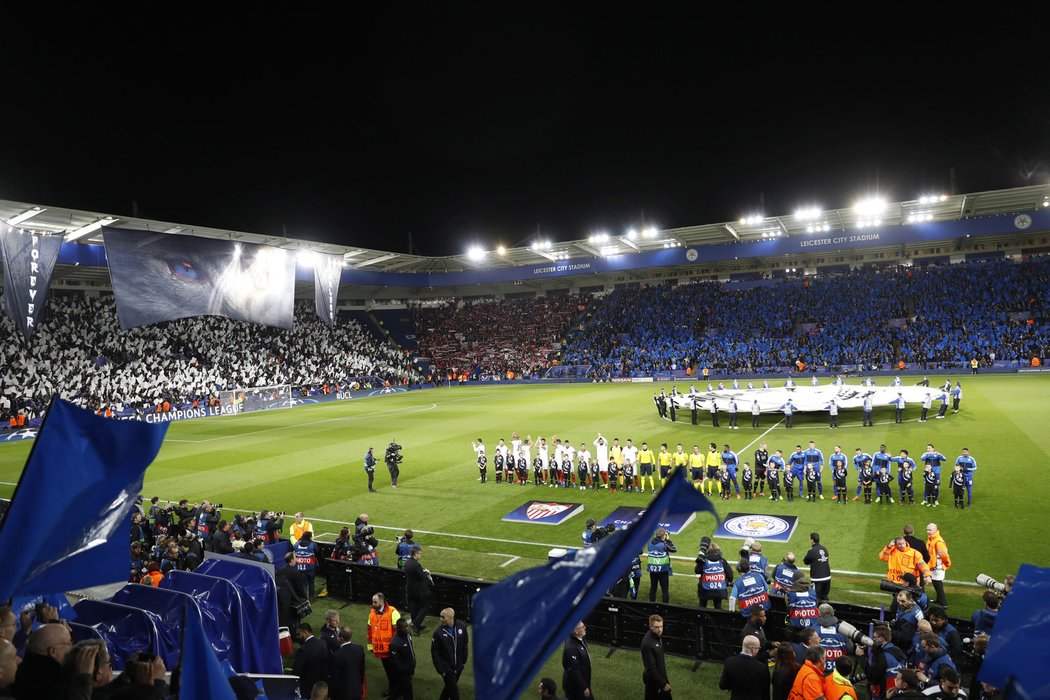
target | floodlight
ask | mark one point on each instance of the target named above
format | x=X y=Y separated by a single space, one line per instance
x=872 y=206
x=808 y=213
x=501 y=250
x=306 y=257
x=632 y=234
x=89 y=229
x=27 y=214
x=475 y=253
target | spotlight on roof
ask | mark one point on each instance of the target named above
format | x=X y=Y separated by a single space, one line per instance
x=475 y=252
x=502 y=250
x=873 y=206
x=27 y=214
x=808 y=213
x=632 y=234
x=752 y=219
x=307 y=258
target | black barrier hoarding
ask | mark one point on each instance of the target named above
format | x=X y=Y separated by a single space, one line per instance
x=699 y=633
x=159 y=277
x=327 y=271
x=29 y=262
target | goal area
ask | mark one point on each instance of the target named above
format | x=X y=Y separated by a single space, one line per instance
x=257 y=398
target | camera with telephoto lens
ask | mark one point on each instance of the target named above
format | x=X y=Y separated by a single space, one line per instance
x=891 y=587
x=855 y=635
x=602 y=531
x=991 y=584
x=705 y=544
x=745 y=549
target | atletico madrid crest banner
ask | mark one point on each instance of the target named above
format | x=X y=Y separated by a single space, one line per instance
x=29 y=261
x=544 y=512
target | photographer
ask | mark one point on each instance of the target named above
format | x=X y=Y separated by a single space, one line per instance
x=405 y=543
x=907 y=619
x=984 y=620
x=364 y=548
x=393 y=458
x=886 y=659
x=268 y=526
x=207 y=518
x=716 y=575
x=836 y=644
x=659 y=561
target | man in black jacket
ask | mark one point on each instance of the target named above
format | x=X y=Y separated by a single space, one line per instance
x=743 y=675
x=348 y=669
x=417 y=588
x=654 y=671
x=311 y=660
x=448 y=650
x=402 y=662
x=819 y=567
x=576 y=665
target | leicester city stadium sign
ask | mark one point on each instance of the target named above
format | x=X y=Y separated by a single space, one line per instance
x=625 y=515
x=777 y=528
x=544 y=512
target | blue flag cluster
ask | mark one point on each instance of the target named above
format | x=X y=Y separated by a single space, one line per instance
x=1016 y=660
x=519 y=623
x=89 y=469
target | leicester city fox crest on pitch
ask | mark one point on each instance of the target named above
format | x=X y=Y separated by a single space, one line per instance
x=777 y=528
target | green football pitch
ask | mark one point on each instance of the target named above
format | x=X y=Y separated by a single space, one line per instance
x=309 y=458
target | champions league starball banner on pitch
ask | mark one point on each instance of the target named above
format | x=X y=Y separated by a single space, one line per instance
x=543 y=513
x=775 y=528
x=29 y=262
x=158 y=277
x=625 y=515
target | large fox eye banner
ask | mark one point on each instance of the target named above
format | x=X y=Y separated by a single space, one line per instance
x=160 y=277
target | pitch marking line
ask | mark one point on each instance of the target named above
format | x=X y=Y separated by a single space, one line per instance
x=408 y=410
x=547 y=544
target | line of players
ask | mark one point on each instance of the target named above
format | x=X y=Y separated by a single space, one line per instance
x=874 y=475
x=626 y=468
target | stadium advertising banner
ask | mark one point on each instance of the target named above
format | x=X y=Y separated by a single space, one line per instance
x=543 y=513
x=327 y=270
x=29 y=262
x=158 y=277
x=776 y=528
x=625 y=515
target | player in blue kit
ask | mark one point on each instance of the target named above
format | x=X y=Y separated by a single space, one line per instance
x=969 y=466
x=815 y=458
x=797 y=462
x=729 y=461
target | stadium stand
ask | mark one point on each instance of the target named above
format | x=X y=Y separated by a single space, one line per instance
x=81 y=353
x=936 y=316
x=490 y=338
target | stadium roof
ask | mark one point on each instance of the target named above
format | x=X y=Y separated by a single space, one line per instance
x=88 y=226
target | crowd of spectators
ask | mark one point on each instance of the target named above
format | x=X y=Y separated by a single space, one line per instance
x=80 y=353
x=496 y=338
x=935 y=316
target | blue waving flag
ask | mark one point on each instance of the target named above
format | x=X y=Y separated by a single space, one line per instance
x=203 y=676
x=87 y=470
x=519 y=623
x=1016 y=659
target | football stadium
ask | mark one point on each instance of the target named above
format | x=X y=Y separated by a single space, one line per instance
x=751 y=414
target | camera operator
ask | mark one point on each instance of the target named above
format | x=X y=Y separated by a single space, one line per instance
x=836 y=644
x=907 y=619
x=716 y=575
x=935 y=656
x=950 y=637
x=268 y=526
x=750 y=589
x=659 y=561
x=393 y=458
x=207 y=518
x=784 y=575
x=886 y=659
x=184 y=511
x=364 y=548
x=984 y=620
x=403 y=550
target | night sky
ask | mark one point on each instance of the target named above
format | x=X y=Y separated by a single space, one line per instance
x=458 y=124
